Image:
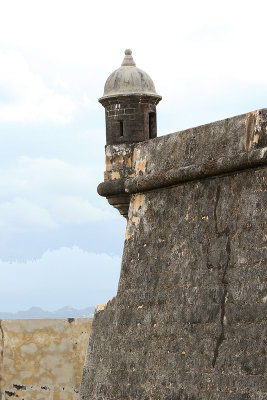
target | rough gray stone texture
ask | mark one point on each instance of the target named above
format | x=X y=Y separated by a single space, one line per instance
x=189 y=318
x=223 y=146
x=128 y=79
x=133 y=113
x=130 y=100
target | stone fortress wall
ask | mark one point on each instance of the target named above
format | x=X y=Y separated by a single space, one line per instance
x=189 y=318
x=42 y=358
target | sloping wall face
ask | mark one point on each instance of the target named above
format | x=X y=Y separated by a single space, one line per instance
x=188 y=319
x=42 y=359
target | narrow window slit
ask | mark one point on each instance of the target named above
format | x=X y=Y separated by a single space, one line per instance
x=121 y=128
x=152 y=125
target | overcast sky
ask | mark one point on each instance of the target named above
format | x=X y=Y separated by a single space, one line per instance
x=60 y=243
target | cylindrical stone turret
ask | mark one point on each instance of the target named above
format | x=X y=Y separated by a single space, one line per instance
x=130 y=100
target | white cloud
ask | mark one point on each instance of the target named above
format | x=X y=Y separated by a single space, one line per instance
x=207 y=60
x=74 y=210
x=53 y=175
x=28 y=98
x=204 y=50
x=87 y=103
x=41 y=194
x=67 y=276
x=21 y=215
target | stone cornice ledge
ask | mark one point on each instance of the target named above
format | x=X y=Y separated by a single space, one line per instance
x=173 y=176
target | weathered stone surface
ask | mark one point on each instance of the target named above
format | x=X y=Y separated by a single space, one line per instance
x=130 y=100
x=128 y=79
x=42 y=359
x=217 y=148
x=189 y=318
x=212 y=149
x=133 y=113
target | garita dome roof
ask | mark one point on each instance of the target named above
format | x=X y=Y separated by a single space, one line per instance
x=129 y=80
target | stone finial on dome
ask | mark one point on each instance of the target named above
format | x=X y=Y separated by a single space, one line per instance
x=129 y=80
x=128 y=60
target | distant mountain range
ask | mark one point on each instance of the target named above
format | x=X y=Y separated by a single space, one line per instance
x=39 y=313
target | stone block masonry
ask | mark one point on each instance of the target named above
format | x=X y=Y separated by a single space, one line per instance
x=132 y=113
x=42 y=359
x=189 y=318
